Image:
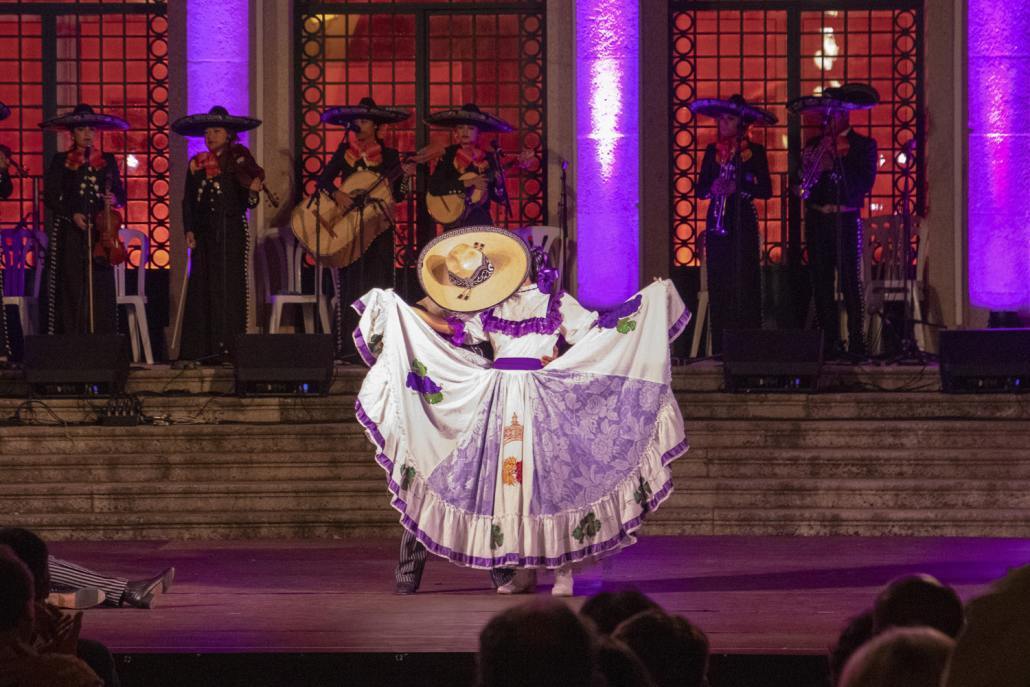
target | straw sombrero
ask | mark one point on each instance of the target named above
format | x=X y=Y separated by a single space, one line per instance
x=83 y=115
x=216 y=117
x=473 y=268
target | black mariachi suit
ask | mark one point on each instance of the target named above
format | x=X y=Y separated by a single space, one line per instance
x=734 y=266
x=214 y=208
x=446 y=178
x=846 y=186
x=374 y=269
x=6 y=189
x=65 y=193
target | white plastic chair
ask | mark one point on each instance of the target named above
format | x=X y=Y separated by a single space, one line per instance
x=288 y=255
x=885 y=279
x=20 y=248
x=548 y=238
x=135 y=304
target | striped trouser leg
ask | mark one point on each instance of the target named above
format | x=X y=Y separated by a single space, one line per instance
x=412 y=560
x=66 y=576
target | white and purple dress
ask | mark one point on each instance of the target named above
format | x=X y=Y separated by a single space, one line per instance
x=510 y=464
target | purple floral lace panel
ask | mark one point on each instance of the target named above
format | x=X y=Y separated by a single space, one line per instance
x=466 y=479
x=589 y=433
x=548 y=324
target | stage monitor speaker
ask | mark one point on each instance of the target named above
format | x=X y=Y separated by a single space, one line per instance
x=772 y=360
x=278 y=364
x=985 y=360
x=76 y=364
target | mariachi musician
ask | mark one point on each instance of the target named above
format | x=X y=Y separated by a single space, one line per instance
x=80 y=187
x=466 y=177
x=363 y=150
x=734 y=171
x=222 y=183
x=837 y=171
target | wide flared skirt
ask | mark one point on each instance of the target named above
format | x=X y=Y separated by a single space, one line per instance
x=506 y=468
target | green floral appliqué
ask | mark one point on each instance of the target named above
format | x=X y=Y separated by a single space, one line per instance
x=588 y=527
x=626 y=325
x=375 y=344
x=496 y=537
x=642 y=494
x=407 y=474
x=419 y=381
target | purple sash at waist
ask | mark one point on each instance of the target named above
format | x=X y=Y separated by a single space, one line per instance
x=518 y=364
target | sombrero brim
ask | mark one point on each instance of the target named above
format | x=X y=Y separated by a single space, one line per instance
x=103 y=122
x=715 y=107
x=5 y=112
x=485 y=122
x=194 y=125
x=345 y=114
x=507 y=252
x=824 y=103
x=858 y=96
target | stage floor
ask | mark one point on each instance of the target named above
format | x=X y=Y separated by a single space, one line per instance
x=751 y=595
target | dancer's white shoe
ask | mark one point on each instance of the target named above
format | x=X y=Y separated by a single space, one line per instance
x=562 y=581
x=524 y=582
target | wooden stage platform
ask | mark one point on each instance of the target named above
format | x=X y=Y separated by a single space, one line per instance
x=758 y=595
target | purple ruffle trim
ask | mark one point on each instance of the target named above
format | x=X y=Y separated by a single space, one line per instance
x=548 y=324
x=458 y=331
x=610 y=318
x=679 y=325
x=359 y=341
x=511 y=559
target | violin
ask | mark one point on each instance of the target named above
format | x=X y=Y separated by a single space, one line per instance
x=107 y=223
x=247 y=170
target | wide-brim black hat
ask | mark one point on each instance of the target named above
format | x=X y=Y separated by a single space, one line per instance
x=366 y=108
x=5 y=112
x=735 y=106
x=83 y=115
x=218 y=116
x=858 y=96
x=844 y=98
x=469 y=114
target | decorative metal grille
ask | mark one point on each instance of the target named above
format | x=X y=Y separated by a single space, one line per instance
x=114 y=57
x=425 y=57
x=772 y=55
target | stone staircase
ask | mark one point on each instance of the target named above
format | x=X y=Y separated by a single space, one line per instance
x=863 y=462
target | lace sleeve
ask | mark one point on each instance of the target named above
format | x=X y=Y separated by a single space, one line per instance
x=575 y=319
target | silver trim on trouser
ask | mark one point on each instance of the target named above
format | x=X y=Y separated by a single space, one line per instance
x=67 y=576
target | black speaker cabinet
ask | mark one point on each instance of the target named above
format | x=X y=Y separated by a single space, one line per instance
x=76 y=364
x=985 y=360
x=772 y=360
x=277 y=364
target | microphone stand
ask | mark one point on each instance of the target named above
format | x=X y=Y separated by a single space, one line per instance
x=501 y=182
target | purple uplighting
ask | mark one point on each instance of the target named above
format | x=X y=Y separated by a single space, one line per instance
x=607 y=150
x=999 y=207
x=218 y=59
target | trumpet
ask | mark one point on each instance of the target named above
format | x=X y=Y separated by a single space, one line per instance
x=811 y=161
x=727 y=173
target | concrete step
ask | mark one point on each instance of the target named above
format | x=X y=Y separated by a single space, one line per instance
x=177 y=497
x=192 y=468
x=937 y=495
x=994 y=522
x=227 y=524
